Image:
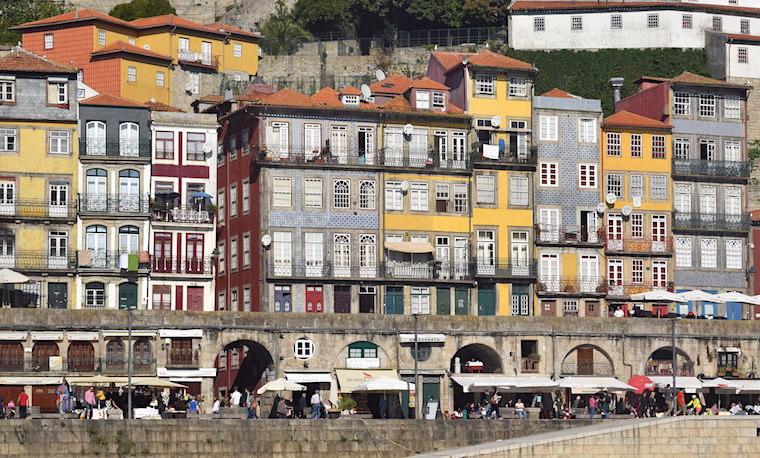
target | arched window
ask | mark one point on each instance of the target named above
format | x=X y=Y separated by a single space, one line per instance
x=129 y=239
x=95 y=295
x=367 y=195
x=115 y=354
x=129 y=135
x=41 y=353
x=96 y=190
x=341 y=194
x=96 y=244
x=142 y=354
x=11 y=356
x=81 y=357
x=129 y=191
x=95 y=136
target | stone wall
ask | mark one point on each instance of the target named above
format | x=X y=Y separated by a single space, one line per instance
x=286 y=438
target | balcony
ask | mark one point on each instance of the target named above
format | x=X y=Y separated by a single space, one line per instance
x=492 y=156
x=566 y=286
x=119 y=366
x=101 y=149
x=603 y=369
x=640 y=246
x=192 y=214
x=698 y=167
x=322 y=270
x=426 y=270
x=188 y=266
x=109 y=260
x=622 y=291
x=12 y=362
x=665 y=367
x=36 y=261
x=551 y=235
x=711 y=222
x=37 y=210
x=133 y=205
x=529 y=366
x=505 y=268
x=183 y=357
x=185 y=56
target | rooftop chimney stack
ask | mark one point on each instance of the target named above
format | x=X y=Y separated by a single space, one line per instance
x=617 y=84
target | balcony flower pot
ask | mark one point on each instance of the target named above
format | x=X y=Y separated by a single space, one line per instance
x=535 y=357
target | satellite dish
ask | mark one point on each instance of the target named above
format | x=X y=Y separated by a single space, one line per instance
x=627 y=210
x=611 y=198
x=408 y=129
x=366 y=92
x=207 y=148
x=405 y=186
x=464 y=62
x=637 y=201
x=379 y=74
x=601 y=207
x=266 y=240
x=495 y=121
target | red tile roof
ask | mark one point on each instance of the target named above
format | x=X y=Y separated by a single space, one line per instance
x=350 y=90
x=108 y=100
x=123 y=47
x=21 y=60
x=484 y=58
x=542 y=5
x=560 y=94
x=743 y=38
x=154 y=105
x=628 y=119
x=426 y=83
x=394 y=83
x=210 y=98
x=692 y=78
x=326 y=97
x=80 y=15
x=232 y=29
x=288 y=98
x=755 y=215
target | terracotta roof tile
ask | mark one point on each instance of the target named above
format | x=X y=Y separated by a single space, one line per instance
x=289 y=98
x=692 y=78
x=326 y=97
x=485 y=58
x=171 y=20
x=232 y=29
x=542 y=5
x=21 y=60
x=154 y=105
x=628 y=119
x=350 y=90
x=121 y=46
x=755 y=215
x=426 y=83
x=82 y=14
x=108 y=100
x=394 y=83
x=210 y=98
x=742 y=37
x=560 y=94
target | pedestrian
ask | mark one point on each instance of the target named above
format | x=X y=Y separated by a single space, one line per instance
x=249 y=403
x=495 y=399
x=591 y=406
x=412 y=404
x=382 y=406
x=255 y=408
x=192 y=405
x=316 y=405
x=695 y=406
x=100 y=396
x=520 y=409
x=605 y=404
x=235 y=397
x=63 y=392
x=669 y=399
x=681 y=401
x=89 y=402
x=23 y=404
x=282 y=409
x=217 y=405
x=300 y=407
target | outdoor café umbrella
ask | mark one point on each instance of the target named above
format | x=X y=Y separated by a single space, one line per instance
x=200 y=195
x=698 y=295
x=10 y=277
x=641 y=383
x=155 y=382
x=735 y=296
x=384 y=385
x=281 y=384
x=658 y=295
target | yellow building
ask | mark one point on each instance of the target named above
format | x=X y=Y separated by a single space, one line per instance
x=38 y=179
x=636 y=173
x=495 y=90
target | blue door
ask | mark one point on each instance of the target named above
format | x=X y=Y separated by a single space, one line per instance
x=734 y=310
x=709 y=308
x=684 y=307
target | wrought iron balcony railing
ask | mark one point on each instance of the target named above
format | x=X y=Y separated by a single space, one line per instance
x=322 y=270
x=109 y=148
x=529 y=366
x=114 y=204
x=192 y=266
x=633 y=245
x=711 y=221
x=182 y=214
x=373 y=158
x=182 y=357
x=502 y=268
x=587 y=368
x=489 y=154
x=120 y=366
x=711 y=168
x=36 y=261
x=569 y=285
x=389 y=269
x=107 y=260
x=37 y=209
x=665 y=367
x=198 y=58
x=548 y=234
x=626 y=289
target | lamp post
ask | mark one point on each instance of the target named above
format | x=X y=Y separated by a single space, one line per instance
x=129 y=361
x=673 y=362
x=416 y=373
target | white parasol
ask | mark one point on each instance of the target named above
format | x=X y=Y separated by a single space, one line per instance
x=281 y=384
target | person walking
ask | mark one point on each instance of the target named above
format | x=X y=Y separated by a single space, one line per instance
x=520 y=409
x=235 y=397
x=89 y=402
x=316 y=405
x=681 y=401
x=669 y=399
x=23 y=404
x=64 y=394
x=250 y=402
x=694 y=405
x=591 y=407
x=412 y=405
x=495 y=399
x=300 y=407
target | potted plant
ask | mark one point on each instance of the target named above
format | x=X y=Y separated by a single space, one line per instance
x=535 y=356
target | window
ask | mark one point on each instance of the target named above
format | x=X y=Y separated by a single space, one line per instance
x=362 y=350
x=420 y=301
x=312 y=193
x=221 y=302
x=8 y=140
x=422 y=99
x=195 y=142
x=164 y=145
x=707 y=105
x=576 y=23
x=616 y=21
x=246 y=250
x=681 y=103
x=637 y=225
x=615 y=184
x=59 y=141
x=548 y=174
x=734 y=249
x=95 y=295
x=587 y=176
x=304 y=349
x=48 y=41
x=282 y=253
x=460 y=197
x=636 y=145
x=744 y=27
x=539 y=24
x=732 y=108
x=518 y=190
x=439 y=100
x=613 y=144
x=101 y=37
x=686 y=21
x=341 y=194
x=245 y=190
x=394 y=196
x=683 y=252
x=518 y=87
x=636 y=183
x=485 y=189
x=637 y=271
x=221 y=258
x=7 y=90
x=58 y=92
x=367 y=195
x=659 y=189
x=681 y=147
x=442 y=197
x=709 y=253
x=419 y=196
x=717 y=24
x=658 y=146
x=653 y=20
x=484 y=84
x=742 y=56
x=587 y=130
x=237 y=50
x=547 y=126
x=160 y=79
x=131 y=74
x=659 y=274
x=220 y=199
x=281 y=192
x=233 y=256
x=246 y=299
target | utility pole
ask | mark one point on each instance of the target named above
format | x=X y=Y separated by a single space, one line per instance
x=417 y=393
x=673 y=362
x=129 y=361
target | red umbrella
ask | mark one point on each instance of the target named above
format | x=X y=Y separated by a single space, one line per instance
x=641 y=383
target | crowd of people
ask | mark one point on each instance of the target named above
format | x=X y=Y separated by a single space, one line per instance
x=15 y=409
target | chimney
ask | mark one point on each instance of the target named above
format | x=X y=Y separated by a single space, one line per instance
x=617 y=84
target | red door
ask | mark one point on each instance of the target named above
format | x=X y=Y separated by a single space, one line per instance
x=162 y=252
x=194 y=254
x=314 y=299
x=660 y=310
x=549 y=308
x=195 y=298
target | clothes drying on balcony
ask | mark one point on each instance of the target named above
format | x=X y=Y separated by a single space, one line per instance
x=410 y=247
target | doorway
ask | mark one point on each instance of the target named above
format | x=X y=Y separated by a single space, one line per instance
x=58 y=296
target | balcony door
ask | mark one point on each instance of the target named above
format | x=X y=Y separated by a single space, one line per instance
x=615 y=276
x=206 y=52
x=615 y=232
x=342 y=255
x=96 y=244
x=194 y=253
x=59 y=200
x=129 y=135
x=549 y=224
x=96 y=192
x=96 y=138
x=162 y=252
x=589 y=273
x=314 y=254
x=733 y=203
x=366 y=143
x=129 y=191
x=443 y=256
x=7 y=197
x=550 y=272
x=58 y=245
x=129 y=239
x=486 y=252
x=707 y=202
x=659 y=233
x=519 y=249
x=128 y=295
x=682 y=202
x=394 y=147
x=418 y=148
x=339 y=143
x=461 y=257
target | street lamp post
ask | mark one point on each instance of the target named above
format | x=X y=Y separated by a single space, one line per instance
x=416 y=373
x=129 y=361
x=673 y=362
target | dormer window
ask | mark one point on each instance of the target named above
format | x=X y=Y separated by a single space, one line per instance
x=351 y=100
x=439 y=100
x=422 y=100
x=484 y=84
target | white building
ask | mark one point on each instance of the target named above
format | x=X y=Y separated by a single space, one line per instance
x=547 y=25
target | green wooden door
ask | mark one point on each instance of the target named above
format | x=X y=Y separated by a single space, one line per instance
x=394 y=300
x=128 y=295
x=462 y=301
x=486 y=300
x=443 y=301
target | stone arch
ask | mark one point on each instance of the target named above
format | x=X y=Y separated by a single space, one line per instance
x=41 y=353
x=243 y=363
x=587 y=359
x=343 y=357
x=477 y=352
x=660 y=362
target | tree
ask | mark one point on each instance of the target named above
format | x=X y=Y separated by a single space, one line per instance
x=321 y=16
x=281 y=34
x=137 y=9
x=485 y=13
x=15 y=12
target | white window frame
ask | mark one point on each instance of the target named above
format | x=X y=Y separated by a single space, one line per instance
x=233 y=255
x=131 y=74
x=618 y=187
x=587 y=130
x=59 y=142
x=587 y=176
x=637 y=225
x=460 y=196
x=160 y=79
x=734 y=254
x=422 y=99
x=394 y=196
x=742 y=55
x=613 y=144
x=636 y=186
x=304 y=349
x=485 y=84
x=418 y=196
x=237 y=50
x=367 y=195
x=707 y=105
x=732 y=108
x=684 y=251
x=658 y=187
x=48 y=40
x=519 y=190
x=282 y=192
x=636 y=149
x=708 y=251
x=245 y=191
x=659 y=148
x=101 y=37
x=7 y=90
x=341 y=194
x=420 y=300
x=681 y=103
x=246 y=245
x=518 y=86
x=548 y=128
x=437 y=100
x=312 y=192
x=8 y=140
x=485 y=186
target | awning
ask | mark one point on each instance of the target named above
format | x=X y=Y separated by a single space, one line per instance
x=82 y=335
x=47 y=335
x=474 y=383
x=30 y=380
x=350 y=379
x=99 y=380
x=184 y=373
x=309 y=377
x=410 y=247
x=590 y=385
x=425 y=338
x=163 y=333
x=13 y=335
x=689 y=384
x=749 y=386
x=722 y=385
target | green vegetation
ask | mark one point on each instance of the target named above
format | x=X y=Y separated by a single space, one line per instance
x=281 y=34
x=15 y=12
x=754 y=150
x=586 y=73
x=346 y=403
x=137 y=9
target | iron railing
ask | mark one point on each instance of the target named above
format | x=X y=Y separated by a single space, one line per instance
x=526 y=155
x=106 y=260
x=389 y=269
x=663 y=245
x=711 y=221
x=626 y=289
x=665 y=367
x=529 y=366
x=711 y=168
x=37 y=209
x=374 y=158
x=197 y=266
x=37 y=261
x=198 y=58
x=80 y=364
x=114 y=204
x=182 y=357
x=322 y=270
x=569 y=285
x=120 y=366
x=12 y=362
x=101 y=147
x=587 y=368
x=503 y=268
x=183 y=214
x=568 y=235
